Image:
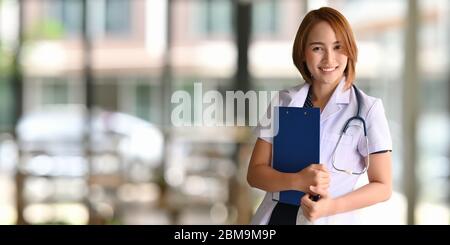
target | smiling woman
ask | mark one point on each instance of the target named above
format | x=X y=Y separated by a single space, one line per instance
x=325 y=53
x=326 y=40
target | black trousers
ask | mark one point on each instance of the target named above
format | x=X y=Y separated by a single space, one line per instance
x=284 y=214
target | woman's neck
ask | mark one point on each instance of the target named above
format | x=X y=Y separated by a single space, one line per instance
x=321 y=93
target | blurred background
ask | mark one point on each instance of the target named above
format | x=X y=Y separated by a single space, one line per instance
x=85 y=88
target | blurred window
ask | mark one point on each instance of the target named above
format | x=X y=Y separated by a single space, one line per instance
x=212 y=17
x=148 y=101
x=143 y=101
x=265 y=17
x=68 y=13
x=6 y=101
x=106 y=93
x=55 y=92
x=112 y=17
x=433 y=122
x=117 y=17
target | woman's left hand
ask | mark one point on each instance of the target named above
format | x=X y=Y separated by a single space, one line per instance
x=313 y=210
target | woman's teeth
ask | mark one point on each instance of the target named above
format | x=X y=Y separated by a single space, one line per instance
x=328 y=69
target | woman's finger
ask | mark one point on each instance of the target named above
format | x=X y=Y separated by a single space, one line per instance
x=306 y=209
x=319 y=191
x=323 y=184
x=323 y=175
x=306 y=213
x=306 y=201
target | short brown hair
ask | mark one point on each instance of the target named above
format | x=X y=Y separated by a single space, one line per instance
x=343 y=31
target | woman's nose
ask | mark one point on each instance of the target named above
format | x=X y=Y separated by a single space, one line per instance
x=328 y=57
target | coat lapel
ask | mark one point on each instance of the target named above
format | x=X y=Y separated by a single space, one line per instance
x=336 y=102
x=338 y=99
x=299 y=97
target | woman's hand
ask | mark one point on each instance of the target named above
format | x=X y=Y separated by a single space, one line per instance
x=323 y=207
x=314 y=175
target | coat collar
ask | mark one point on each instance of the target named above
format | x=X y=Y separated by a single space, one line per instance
x=339 y=98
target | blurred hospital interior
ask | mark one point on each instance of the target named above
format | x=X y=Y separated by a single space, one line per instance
x=85 y=105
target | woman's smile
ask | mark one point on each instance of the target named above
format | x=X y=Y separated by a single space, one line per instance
x=328 y=69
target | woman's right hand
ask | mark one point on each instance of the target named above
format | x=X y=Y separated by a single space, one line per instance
x=314 y=175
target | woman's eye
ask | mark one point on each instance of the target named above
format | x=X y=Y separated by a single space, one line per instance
x=317 y=49
x=338 y=47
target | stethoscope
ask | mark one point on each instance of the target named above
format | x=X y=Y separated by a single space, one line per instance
x=344 y=130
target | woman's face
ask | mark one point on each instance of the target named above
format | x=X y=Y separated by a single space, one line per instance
x=325 y=58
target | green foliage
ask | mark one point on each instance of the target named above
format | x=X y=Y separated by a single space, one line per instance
x=5 y=60
x=46 y=29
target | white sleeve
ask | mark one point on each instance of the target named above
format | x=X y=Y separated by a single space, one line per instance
x=378 y=132
x=265 y=128
x=262 y=131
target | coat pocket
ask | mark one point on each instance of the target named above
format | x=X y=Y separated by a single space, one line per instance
x=341 y=154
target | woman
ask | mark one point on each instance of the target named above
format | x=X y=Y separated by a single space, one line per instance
x=325 y=53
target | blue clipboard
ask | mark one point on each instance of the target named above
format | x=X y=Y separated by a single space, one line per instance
x=296 y=145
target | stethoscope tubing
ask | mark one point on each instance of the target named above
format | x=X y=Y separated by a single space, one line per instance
x=357 y=117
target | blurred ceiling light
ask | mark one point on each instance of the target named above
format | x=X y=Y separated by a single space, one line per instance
x=8 y=153
x=97 y=193
x=174 y=176
x=125 y=193
x=369 y=58
x=76 y=214
x=139 y=192
x=148 y=192
x=206 y=59
x=219 y=213
x=41 y=165
x=73 y=189
x=67 y=213
x=271 y=59
x=106 y=164
x=156 y=20
x=104 y=209
x=315 y=4
x=8 y=215
x=46 y=57
x=195 y=185
x=432 y=214
x=38 y=189
x=38 y=213
x=9 y=15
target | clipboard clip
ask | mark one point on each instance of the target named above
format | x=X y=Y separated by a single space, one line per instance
x=315 y=198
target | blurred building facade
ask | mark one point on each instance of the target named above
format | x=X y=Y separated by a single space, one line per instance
x=141 y=51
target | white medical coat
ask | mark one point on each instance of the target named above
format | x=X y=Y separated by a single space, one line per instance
x=352 y=149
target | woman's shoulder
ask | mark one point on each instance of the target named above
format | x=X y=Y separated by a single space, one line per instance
x=293 y=89
x=370 y=103
x=368 y=99
x=286 y=95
